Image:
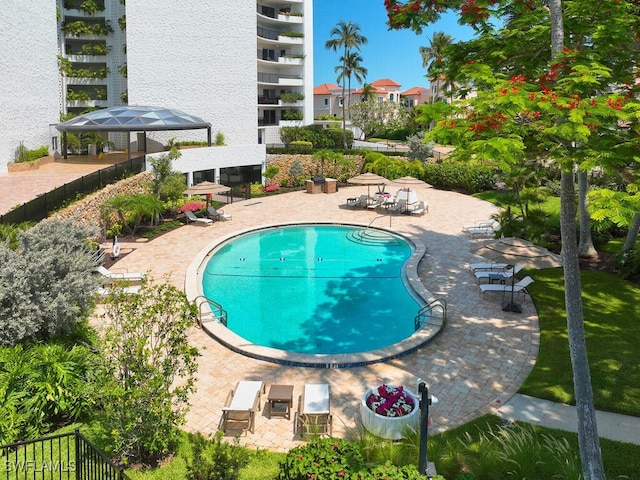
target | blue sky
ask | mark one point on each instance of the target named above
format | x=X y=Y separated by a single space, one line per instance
x=387 y=54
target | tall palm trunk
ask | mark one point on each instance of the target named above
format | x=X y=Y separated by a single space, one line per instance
x=590 y=454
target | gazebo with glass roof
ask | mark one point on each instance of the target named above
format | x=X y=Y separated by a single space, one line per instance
x=132 y=119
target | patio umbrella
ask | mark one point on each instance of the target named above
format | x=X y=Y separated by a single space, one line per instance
x=369 y=179
x=516 y=251
x=411 y=181
x=206 y=188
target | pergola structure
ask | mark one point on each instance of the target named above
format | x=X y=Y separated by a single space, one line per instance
x=132 y=119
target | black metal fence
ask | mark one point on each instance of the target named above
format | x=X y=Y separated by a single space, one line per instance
x=40 y=207
x=67 y=456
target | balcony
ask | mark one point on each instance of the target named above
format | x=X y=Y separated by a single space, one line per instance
x=281 y=80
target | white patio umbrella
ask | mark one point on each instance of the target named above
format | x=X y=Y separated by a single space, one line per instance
x=206 y=188
x=409 y=181
x=369 y=179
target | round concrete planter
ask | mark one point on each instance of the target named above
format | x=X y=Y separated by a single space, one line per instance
x=392 y=428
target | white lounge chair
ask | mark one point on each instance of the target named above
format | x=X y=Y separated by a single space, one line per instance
x=361 y=201
x=420 y=209
x=314 y=410
x=380 y=201
x=399 y=207
x=483 y=231
x=487 y=266
x=110 y=277
x=500 y=276
x=239 y=411
x=104 y=292
x=518 y=287
x=217 y=214
x=191 y=217
x=485 y=224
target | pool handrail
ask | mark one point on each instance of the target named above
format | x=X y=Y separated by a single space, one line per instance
x=424 y=314
x=217 y=311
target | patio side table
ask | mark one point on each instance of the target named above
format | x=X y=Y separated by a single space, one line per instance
x=280 y=398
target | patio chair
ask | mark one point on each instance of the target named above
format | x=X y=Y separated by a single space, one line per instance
x=217 y=214
x=485 y=224
x=361 y=201
x=241 y=405
x=191 y=217
x=499 y=276
x=380 y=201
x=518 y=287
x=489 y=231
x=103 y=292
x=420 y=209
x=399 y=207
x=487 y=266
x=314 y=410
x=109 y=277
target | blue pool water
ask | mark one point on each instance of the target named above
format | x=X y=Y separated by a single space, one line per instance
x=314 y=288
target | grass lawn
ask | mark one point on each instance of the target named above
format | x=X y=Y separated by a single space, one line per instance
x=612 y=331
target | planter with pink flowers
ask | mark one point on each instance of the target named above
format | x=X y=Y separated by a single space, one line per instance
x=390 y=411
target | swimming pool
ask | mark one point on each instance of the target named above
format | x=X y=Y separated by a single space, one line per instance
x=314 y=289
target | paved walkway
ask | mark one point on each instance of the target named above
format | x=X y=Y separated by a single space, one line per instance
x=474 y=367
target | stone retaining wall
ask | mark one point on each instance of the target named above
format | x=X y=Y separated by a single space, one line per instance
x=311 y=167
x=87 y=212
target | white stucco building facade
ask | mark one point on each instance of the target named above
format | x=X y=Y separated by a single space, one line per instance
x=29 y=81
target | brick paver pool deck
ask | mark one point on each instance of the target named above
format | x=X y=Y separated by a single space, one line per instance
x=475 y=365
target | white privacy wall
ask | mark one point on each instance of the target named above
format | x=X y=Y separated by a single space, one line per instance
x=29 y=79
x=199 y=57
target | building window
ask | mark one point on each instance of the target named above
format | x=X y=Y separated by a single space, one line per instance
x=326 y=102
x=391 y=97
x=411 y=102
x=340 y=102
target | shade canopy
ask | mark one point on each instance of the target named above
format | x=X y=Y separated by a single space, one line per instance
x=369 y=179
x=133 y=118
x=516 y=251
x=206 y=188
x=408 y=180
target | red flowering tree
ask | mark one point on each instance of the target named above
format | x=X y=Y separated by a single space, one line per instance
x=574 y=104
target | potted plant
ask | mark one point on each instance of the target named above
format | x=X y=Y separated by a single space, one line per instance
x=388 y=411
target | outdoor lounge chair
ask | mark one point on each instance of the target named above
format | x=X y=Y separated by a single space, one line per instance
x=241 y=405
x=399 y=207
x=360 y=202
x=420 y=209
x=314 y=410
x=216 y=214
x=518 y=287
x=500 y=277
x=475 y=226
x=483 y=231
x=110 y=277
x=104 y=292
x=378 y=203
x=487 y=266
x=191 y=217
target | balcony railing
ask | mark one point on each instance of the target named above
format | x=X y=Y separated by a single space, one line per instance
x=276 y=78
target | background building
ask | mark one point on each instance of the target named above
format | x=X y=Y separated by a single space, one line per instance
x=195 y=56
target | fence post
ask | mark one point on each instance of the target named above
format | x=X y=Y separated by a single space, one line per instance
x=78 y=454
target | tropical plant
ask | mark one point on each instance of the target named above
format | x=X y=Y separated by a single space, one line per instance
x=47 y=283
x=167 y=184
x=368 y=92
x=419 y=148
x=270 y=172
x=291 y=97
x=219 y=139
x=345 y=36
x=23 y=154
x=146 y=369
x=351 y=67
x=433 y=54
x=215 y=460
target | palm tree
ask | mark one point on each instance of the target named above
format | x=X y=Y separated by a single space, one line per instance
x=433 y=54
x=345 y=36
x=353 y=68
x=368 y=92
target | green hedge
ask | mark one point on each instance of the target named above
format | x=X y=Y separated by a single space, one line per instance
x=458 y=176
x=320 y=137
